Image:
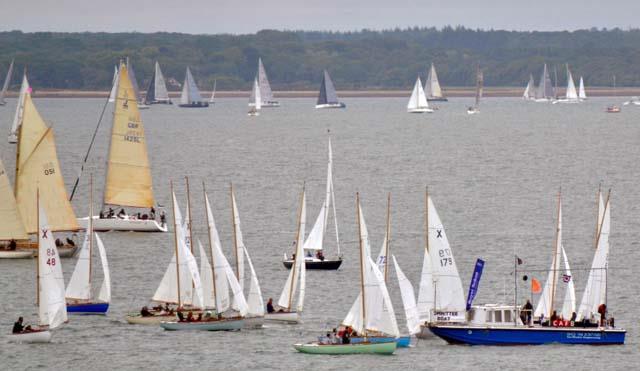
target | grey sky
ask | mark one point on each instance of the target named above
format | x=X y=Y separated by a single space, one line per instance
x=242 y=16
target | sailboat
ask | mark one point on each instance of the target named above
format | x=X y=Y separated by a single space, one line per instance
x=479 y=85
x=191 y=97
x=157 y=92
x=367 y=315
x=544 y=92
x=7 y=82
x=181 y=283
x=313 y=247
x=255 y=100
x=50 y=286
x=529 y=90
x=11 y=226
x=17 y=118
x=78 y=294
x=114 y=85
x=267 y=99
x=296 y=280
x=582 y=94
x=212 y=100
x=418 y=101
x=572 y=94
x=493 y=324
x=134 y=84
x=613 y=108
x=328 y=98
x=440 y=296
x=432 y=87
x=37 y=167
x=128 y=179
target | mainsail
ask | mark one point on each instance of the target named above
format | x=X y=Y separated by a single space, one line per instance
x=11 y=227
x=238 y=242
x=528 y=91
x=572 y=94
x=129 y=181
x=157 y=91
x=298 y=270
x=7 y=82
x=255 y=99
x=432 y=85
x=255 y=302
x=190 y=92
x=52 y=308
x=547 y=299
x=582 y=94
x=17 y=118
x=479 y=86
x=418 y=99
x=545 y=89
x=37 y=167
x=263 y=81
x=328 y=93
x=569 y=303
x=408 y=300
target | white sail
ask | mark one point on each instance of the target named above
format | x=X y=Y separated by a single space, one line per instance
x=213 y=92
x=190 y=92
x=596 y=288
x=528 y=91
x=206 y=275
x=7 y=82
x=79 y=287
x=52 y=308
x=315 y=239
x=105 y=289
x=114 y=86
x=425 y=291
x=255 y=99
x=432 y=85
x=297 y=272
x=418 y=98
x=254 y=298
x=239 y=242
x=221 y=289
x=546 y=302
x=11 y=226
x=449 y=295
x=17 y=118
x=572 y=94
x=238 y=302
x=263 y=81
x=161 y=93
x=408 y=300
x=569 y=303
x=582 y=94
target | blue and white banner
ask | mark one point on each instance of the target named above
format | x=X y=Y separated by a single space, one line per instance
x=475 y=282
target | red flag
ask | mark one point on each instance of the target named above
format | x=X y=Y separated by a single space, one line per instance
x=536 y=288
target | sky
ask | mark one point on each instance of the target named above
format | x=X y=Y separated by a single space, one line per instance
x=242 y=16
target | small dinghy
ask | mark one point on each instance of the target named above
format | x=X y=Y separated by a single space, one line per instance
x=266 y=96
x=432 y=88
x=418 y=101
x=360 y=348
x=479 y=86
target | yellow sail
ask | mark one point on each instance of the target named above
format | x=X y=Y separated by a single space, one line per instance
x=128 y=171
x=37 y=167
x=11 y=227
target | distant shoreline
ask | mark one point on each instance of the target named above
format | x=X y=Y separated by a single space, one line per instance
x=449 y=92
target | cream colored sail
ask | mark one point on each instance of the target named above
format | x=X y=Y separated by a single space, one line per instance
x=11 y=227
x=128 y=171
x=38 y=167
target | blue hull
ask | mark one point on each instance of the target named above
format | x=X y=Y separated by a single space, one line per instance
x=401 y=342
x=88 y=308
x=528 y=336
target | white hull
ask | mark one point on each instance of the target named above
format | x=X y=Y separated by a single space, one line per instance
x=542 y=100
x=566 y=101
x=253 y=322
x=330 y=105
x=31 y=337
x=420 y=110
x=16 y=254
x=266 y=104
x=125 y=224
x=143 y=106
x=472 y=111
x=253 y=113
x=13 y=138
x=288 y=317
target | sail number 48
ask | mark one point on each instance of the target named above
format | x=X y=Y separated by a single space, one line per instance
x=51 y=260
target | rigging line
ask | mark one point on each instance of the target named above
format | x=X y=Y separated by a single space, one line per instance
x=86 y=156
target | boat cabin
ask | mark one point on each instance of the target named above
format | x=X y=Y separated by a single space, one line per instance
x=494 y=315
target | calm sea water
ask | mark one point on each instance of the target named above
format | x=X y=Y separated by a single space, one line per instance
x=493 y=177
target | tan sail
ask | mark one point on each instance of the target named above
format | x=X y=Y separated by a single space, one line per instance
x=11 y=227
x=37 y=167
x=128 y=171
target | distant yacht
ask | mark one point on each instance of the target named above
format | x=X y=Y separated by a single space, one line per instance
x=114 y=85
x=191 y=97
x=255 y=101
x=432 y=87
x=544 y=93
x=479 y=87
x=529 y=93
x=328 y=97
x=136 y=89
x=17 y=118
x=212 y=100
x=613 y=108
x=582 y=94
x=7 y=82
x=157 y=92
x=572 y=94
x=418 y=100
x=265 y=88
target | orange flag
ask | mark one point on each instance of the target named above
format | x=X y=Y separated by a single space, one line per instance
x=536 y=288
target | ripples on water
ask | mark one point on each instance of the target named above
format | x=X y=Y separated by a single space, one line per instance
x=493 y=177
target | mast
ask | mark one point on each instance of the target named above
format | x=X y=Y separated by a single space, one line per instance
x=364 y=313
x=213 y=265
x=597 y=216
x=90 y=230
x=555 y=254
x=386 y=253
x=186 y=178
x=426 y=219
x=235 y=232
x=298 y=242
x=175 y=242
x=38 y=259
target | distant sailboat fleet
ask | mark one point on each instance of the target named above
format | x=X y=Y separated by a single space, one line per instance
x=546 y=92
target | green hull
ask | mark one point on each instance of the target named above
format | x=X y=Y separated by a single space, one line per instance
x=362 y=348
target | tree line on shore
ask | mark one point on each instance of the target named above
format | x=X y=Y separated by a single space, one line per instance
x=390 y=59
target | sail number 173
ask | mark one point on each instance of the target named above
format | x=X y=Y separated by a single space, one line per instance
x=446 y=259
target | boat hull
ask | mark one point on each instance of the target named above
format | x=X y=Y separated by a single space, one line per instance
x=88 y=308
x=266 y=104
x=16 y=254
x=420 y=110
x=31 y=337
x=437 y=99
x=195 y=105
x=160 y=102
x=361 y=348
x=317 y=264
x=125 y=224
x=476 y=335
x=401 y=342
x=218 y=325
x=137 y=319
x=425 y=333
x=331 y=105
x=253 y=322
x=287 y=317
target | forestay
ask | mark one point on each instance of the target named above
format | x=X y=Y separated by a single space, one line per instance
x=52 y=308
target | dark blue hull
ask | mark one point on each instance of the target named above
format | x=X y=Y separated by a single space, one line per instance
x=88 y=308
x=401 y=342
x=474 y=335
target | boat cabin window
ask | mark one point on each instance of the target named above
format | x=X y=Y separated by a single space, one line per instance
x=488 y=319
x=507 y=316
x=498 y=315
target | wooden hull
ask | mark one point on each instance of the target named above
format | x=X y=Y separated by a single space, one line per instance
x=217 y=325
x=361 y=348
x=317 y=264
x=287 y=317
x=87 y=308
x=126 y=224
x=16 y=254
x=31 y=337
x=137 y=319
